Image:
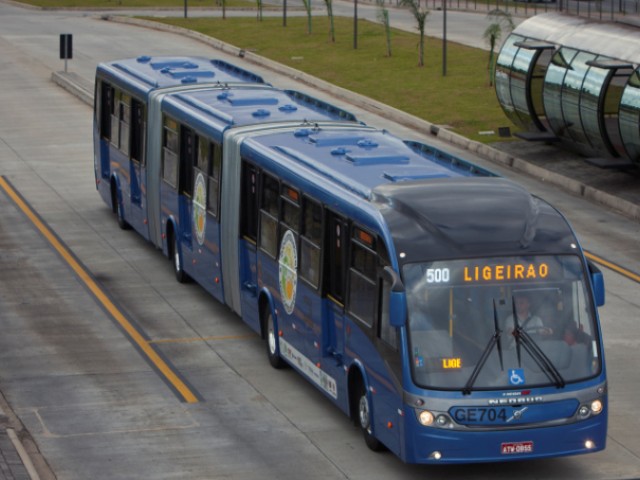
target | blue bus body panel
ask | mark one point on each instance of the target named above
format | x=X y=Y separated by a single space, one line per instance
x=248 y=105
x=144 y=74
x=359 y=159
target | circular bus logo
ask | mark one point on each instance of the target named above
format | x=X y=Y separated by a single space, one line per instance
x=288 y=271
x=199 y=207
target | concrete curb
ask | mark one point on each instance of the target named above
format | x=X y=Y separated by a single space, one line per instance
x=421 y=126
x=31 y=458
x=75 y=85
x=24 y=456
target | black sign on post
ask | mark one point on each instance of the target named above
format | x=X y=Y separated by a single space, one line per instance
x=66 y=48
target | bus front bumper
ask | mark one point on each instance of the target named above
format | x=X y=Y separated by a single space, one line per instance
x=433 y=445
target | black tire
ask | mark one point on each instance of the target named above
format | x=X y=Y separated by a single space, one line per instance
x=271 y=337
x=176 y=260
x=117 y=209
x=364 y=419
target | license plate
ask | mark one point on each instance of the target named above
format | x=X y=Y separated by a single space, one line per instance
x=510 y=448
x=481 y=415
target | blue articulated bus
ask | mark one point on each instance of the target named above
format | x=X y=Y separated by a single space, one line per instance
x=451 y=314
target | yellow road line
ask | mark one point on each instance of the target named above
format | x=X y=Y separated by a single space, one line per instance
x=616 y=268
x=100 y=295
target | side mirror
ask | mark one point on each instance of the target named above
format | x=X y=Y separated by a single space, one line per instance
x=398 y=309
x=397 y=298
x=597 y=282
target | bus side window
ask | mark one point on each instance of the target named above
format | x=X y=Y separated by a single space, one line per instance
x=249 y=202
x=188 y=160
x=170 y=148
x=124 y=122
x=311 y=241
x=115 y=119
x=137 y=130
x=106 y=107
x=362 y=276
x=203 y=155
x=335 y=262
x=386 y=332
x=269 y=214
x=290 y=213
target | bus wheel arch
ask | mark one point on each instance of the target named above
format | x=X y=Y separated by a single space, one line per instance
x=360 y=407
x=269 y=327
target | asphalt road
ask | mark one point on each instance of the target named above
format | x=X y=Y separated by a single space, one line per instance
x=97 y=409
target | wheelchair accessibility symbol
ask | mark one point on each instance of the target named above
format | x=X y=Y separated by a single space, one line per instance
x=516 y=376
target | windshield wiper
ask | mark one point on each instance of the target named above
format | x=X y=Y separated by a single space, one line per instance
x=530 y=345
x=493 y=341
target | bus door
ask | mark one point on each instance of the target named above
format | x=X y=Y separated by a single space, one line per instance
x=119 y=153
x=185 y=182
x=388 y=369
x=136 y=166
x=105 y=111
x=373 y=340
x=334 y=286
x=248 y=256
x=309 y=301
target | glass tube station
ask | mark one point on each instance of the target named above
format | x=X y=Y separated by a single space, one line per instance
x=574 y=80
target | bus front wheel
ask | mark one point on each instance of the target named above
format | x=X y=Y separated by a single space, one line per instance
x=364 y=419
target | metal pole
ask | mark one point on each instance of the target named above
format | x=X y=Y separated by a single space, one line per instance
x=444 y=39
x=284 y=13
x=355 y=24
x=185 y=8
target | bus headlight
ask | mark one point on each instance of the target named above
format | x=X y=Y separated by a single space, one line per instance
x=596 y=407
x=425 y=417
x=442 y=420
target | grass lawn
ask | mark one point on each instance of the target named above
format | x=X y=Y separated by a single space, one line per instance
x=462 y=101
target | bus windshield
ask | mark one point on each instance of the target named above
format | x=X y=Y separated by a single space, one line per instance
x=500 y=323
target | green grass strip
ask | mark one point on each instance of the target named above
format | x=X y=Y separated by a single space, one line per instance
x=463 y=101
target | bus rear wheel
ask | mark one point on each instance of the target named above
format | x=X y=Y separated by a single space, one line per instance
x=176 y=259
x=117 y=208
x=272 y=342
